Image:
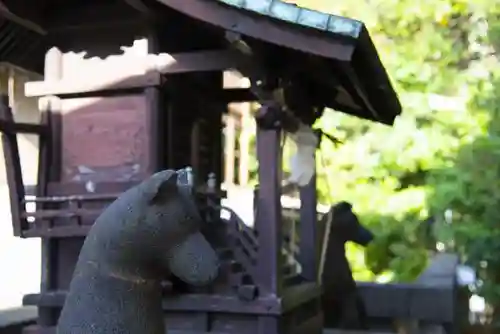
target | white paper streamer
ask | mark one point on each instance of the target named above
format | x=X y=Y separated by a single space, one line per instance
x=302 y=163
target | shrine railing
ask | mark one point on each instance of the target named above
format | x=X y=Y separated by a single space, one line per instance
x=46 y=213
x=69 y=216
x=243 y=242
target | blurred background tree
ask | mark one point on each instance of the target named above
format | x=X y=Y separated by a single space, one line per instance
x=470 y=186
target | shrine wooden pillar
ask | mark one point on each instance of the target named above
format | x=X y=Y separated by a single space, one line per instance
x=215 y=80
x=154 y=112
x=229 y=150
x=308 y=243
x=268 y=218
x=49 y=171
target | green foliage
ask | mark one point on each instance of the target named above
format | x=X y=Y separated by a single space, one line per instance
x=469 y=187
x=471 y=190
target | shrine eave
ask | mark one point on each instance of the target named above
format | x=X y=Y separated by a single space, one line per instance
x=358 y=83
x=331 y=57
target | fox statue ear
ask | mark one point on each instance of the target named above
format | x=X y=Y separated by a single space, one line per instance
x=161 y=186
x=342 y=207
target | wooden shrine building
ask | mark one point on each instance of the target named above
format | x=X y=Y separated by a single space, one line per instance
x=114 y=114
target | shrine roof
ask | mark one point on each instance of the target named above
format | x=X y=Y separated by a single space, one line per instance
x=332 y=56
x=292 y=13
x=348 y=73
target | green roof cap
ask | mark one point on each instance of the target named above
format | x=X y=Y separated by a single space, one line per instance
x=280 y=10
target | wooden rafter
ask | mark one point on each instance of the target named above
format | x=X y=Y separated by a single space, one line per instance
x=5 y=12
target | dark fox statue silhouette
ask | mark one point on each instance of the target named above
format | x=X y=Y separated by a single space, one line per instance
x=342 y=305
x=149 y=232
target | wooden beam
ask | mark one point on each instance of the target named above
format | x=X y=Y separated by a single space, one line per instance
x=26 y=23
x=188 y=302
x=67 y=87
x=26 y=128
x=153 y=67
x=35 y=329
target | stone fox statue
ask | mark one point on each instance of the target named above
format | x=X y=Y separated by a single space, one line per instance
x=151 y=230
x=342 y=305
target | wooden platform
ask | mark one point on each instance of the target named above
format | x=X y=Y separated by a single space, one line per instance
x=35 y=329
x=13 y=320
x=339 y=331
